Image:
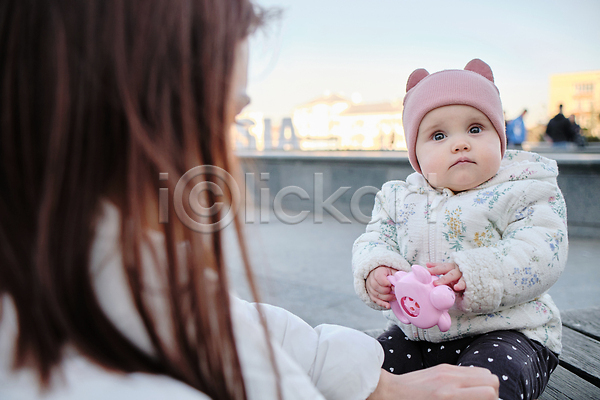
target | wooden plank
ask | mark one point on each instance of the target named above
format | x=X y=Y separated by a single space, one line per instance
x=564 y=385
x=585 y=321
x=581 y=355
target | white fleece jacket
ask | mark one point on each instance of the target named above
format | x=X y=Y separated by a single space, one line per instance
x=508 y=237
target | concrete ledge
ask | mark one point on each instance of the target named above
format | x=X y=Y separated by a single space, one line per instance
x=569 y=157
x=318 y=175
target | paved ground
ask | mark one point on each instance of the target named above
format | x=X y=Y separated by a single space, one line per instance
x=305 y=268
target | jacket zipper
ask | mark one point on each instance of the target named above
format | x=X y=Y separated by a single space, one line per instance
x=432 y=225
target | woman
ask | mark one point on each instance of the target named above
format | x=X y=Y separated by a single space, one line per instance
x=99 y=100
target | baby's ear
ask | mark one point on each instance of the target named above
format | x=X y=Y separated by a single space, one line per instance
x=478 y=66
x=416 y=77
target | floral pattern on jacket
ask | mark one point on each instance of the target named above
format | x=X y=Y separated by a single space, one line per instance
x=508 y=237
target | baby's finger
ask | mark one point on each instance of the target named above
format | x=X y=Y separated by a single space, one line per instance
x=387 y=297
x=460 y=286
x=383 y=280
x=379 y=298
x=450 y=277
x=454 y=274
x=439 y=268
x=384 y=289
x=381 y=303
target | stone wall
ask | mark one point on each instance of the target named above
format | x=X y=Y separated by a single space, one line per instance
x=303 y=181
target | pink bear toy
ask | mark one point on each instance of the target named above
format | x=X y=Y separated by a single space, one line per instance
x=418 y=301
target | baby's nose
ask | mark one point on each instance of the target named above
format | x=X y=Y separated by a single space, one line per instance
x=461 y=146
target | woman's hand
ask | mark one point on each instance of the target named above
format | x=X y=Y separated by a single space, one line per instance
x=441 y=382
x=379 y=287
x=450 y=275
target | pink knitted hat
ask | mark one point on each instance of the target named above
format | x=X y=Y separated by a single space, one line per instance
x=473 y=86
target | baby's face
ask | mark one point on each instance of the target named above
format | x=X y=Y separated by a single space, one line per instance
x=457 y=148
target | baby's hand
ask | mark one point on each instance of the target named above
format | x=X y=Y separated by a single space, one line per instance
x=378 y=286
x=450 y=275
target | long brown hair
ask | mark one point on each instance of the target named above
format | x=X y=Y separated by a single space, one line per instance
x=97 y=97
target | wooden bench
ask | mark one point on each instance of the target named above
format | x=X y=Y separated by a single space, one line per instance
x=578 y=375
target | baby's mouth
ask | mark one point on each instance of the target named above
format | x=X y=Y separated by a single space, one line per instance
x=463 y=160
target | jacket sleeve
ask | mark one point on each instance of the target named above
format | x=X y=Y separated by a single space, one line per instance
x=528 y=259
x=379 y=244
x=328 y=361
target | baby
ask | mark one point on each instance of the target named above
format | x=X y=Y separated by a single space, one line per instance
x=490 y=222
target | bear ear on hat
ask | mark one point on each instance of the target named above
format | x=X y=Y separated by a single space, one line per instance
x=480 y=67
x=416 y=77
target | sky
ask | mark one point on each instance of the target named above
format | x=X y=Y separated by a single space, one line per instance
x=368 y=48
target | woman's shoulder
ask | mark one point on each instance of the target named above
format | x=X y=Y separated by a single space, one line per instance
x=86 y=380
x=77 y=377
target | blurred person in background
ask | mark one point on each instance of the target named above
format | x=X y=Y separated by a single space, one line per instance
x=559 y=130
x=516 y=133
x=579 y=139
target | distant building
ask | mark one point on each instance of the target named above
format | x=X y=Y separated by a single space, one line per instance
x=579 y=93
x=376 y=126
x=314 y=122
x=333 y=122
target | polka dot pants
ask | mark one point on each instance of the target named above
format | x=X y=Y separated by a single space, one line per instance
x=522 y=365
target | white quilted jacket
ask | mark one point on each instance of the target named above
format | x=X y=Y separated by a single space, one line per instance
x=326 y=362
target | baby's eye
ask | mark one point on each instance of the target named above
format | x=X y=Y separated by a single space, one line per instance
x=475 y=129
x=438 y=136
